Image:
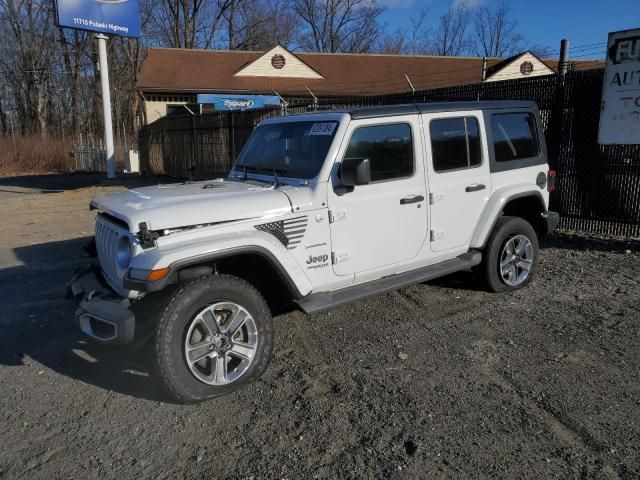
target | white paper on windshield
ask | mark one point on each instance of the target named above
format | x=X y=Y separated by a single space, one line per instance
x=322 y=128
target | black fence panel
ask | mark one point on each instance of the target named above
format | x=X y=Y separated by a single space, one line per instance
x=598 y=186
x=197 y=146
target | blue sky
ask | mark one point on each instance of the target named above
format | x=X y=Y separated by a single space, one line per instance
x=543 y=22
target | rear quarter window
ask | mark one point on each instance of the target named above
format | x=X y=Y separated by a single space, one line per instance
x=515 y=136
x=455 y=143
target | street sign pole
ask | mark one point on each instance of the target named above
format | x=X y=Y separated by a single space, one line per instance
x=106 y=105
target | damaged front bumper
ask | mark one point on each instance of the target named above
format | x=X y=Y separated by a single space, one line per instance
x=101 y=314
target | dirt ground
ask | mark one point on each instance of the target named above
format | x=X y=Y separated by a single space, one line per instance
x=439 y=380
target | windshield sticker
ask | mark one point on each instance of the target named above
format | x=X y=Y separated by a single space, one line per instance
x=322 y=128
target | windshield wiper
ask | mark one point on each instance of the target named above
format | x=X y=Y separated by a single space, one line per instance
x=262 y=169
x=276 y=182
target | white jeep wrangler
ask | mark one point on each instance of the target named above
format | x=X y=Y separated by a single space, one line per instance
x=322 y=208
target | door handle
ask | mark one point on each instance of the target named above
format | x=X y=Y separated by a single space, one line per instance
x=475 y=187
x=412 y=199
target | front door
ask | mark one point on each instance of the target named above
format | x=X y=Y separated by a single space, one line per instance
x=385 y=222
x=459 y=176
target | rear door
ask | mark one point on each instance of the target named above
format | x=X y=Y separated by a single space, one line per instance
x=459 y=176
x=383 y=223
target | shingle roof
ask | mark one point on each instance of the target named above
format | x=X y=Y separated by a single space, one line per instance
x=202 y=71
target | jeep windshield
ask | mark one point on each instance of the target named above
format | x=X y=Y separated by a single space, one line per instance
x=291 y=149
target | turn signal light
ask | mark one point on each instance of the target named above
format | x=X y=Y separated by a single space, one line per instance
x=551 y=182
x=158 y=274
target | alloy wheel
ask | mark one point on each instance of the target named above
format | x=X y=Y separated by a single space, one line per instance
x=220 y=343
x=516 y=260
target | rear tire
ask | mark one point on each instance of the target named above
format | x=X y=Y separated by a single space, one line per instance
x=214 y=336
x=510 y=256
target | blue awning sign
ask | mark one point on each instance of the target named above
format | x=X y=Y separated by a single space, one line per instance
x=238 y=102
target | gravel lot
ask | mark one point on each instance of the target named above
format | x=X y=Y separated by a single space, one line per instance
x=440 y=380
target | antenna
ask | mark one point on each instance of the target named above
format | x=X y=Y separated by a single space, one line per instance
x=285 y=104
x=315 y=99
x=410 y=84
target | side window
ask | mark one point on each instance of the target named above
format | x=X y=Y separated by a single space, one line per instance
x=514 y=136
x=389 y=149
x=455 y=143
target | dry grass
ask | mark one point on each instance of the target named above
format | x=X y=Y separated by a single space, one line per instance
x=36 y=155
x=21 y=155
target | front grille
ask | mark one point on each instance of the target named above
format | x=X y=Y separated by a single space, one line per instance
x=107 y=235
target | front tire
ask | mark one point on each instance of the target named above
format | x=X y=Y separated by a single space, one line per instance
x=214 y=336
x=511 y=255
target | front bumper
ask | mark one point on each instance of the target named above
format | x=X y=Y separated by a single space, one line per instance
x=101 y=314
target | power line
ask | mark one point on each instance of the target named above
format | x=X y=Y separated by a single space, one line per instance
x=579 y=48
x=582 y=47
x=592 y=55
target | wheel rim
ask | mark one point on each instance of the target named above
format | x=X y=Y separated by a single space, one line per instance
x=220 y=343
x=516 y=260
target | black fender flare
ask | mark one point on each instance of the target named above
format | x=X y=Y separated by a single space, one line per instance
x=195 y=262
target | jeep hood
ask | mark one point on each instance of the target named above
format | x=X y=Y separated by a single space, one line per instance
x=187 y=204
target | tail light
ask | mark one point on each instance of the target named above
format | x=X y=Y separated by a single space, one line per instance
x=551 y=182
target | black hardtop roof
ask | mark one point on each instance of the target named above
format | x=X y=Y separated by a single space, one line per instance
x=411 y=108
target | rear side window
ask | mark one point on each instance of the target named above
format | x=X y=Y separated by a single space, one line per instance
x=389 y=149
x=514 y=136
x=455 y=143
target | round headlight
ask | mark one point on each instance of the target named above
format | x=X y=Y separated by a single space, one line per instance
x=123 y=252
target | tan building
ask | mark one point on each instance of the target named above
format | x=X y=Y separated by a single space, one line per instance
x=172 y=78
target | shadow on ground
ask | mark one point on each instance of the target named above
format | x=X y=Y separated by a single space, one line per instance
x=56 y=183
x=584 y=242
x=38 y=324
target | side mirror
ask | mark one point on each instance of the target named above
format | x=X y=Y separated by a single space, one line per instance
x=355 y=171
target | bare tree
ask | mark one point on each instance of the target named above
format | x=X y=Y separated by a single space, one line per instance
x=184 y=23
x=496 y=33
x=74 y=46
x=339 y=25
x=541 y=51
x=395 y=43
x=451 y=36
x=260 y=24
x=414 y=40
x=27 y=58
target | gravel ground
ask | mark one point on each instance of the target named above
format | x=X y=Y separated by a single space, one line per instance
x=439 y=380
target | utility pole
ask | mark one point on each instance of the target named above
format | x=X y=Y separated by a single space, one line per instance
x=484 y=68
x=106 y=105
x=563 y=64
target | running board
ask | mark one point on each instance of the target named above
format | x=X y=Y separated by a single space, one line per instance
x=317 y=302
